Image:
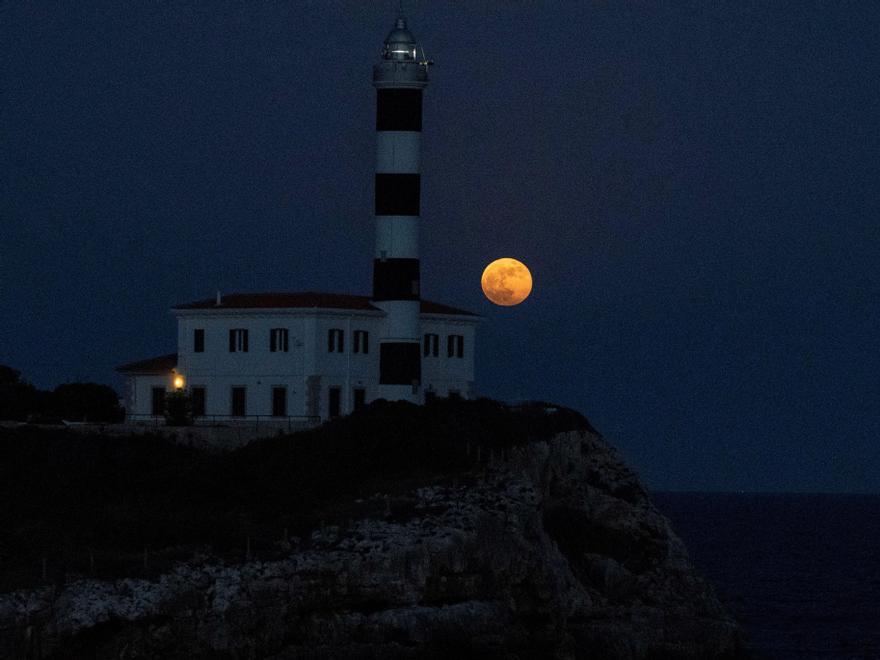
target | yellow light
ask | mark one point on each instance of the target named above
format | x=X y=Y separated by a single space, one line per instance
x=179 y=382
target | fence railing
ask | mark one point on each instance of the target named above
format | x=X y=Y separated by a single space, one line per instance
x=290 y=422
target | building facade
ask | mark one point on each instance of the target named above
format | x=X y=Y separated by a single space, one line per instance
x=312 y=355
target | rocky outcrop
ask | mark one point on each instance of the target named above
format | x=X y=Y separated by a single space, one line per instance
x=554 y=550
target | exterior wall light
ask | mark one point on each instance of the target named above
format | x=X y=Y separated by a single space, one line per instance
x=179 y=381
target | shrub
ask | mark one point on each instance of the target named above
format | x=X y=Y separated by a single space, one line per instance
x=178 y=409
x=86 y=402
x=18 y=399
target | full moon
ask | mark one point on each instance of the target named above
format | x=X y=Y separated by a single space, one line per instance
x=506 y=282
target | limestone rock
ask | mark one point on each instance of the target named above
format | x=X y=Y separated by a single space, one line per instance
x=554 y=550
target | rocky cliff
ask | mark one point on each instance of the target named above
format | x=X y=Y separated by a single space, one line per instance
x=550 y=548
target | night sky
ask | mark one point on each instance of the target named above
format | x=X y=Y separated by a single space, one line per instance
x=693 y=186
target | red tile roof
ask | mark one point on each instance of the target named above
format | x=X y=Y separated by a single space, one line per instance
x=308 y=299
x=157 y=365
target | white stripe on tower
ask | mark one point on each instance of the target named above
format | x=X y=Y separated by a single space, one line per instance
x=399 y=79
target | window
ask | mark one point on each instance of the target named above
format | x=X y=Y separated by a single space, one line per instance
x=455 y=346
x=239 y=402
x=335 y=400
x=279 y=401
x=199 y=340
x=158 y=401
x=360 y=398
x=238 y=340
x=361 y=341
x=278 y=340
x=432 y=345
x=198 y=401
x=335 y=341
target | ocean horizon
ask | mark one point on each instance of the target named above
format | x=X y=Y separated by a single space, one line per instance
x=799 y=571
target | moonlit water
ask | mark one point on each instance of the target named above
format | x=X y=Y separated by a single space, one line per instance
x=800 y=572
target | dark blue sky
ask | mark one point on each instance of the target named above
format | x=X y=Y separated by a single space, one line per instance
x=694 y=187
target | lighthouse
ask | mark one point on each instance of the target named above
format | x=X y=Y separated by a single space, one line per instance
x=399 y=77
x=302 y=357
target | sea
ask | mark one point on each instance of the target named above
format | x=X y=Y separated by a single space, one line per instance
x=800 y=572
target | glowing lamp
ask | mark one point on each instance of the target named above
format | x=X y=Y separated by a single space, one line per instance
x=179 y=381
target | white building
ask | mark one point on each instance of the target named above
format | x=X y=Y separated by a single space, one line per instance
x=294 y=355
x=316 y=355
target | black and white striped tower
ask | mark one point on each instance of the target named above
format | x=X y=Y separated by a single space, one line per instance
x=399 y=78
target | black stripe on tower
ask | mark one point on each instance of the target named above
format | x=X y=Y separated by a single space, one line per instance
x=399 y=110
x=398 y=194
x=396 y=279
x=399 y=363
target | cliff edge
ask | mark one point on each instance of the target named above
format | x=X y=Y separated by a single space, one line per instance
x=544 y=546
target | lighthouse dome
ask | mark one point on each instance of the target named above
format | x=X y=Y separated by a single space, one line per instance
x=400 y=44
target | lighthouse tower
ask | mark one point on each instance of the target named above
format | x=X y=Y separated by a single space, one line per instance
x=399 y=78
x=303 y=357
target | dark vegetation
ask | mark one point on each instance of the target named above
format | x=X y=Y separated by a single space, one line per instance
x=178 y=409
x=21 y=401
x=78 y=505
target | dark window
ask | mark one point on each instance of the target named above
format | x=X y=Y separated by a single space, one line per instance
x=361 y=341
x=335 y=399
x=455 y=346
x=239 y=402
x=430 y=396
x=238 y=340
x=157 y=402
x=335 y=341
x=278 y=340
x=279 y=401
x=198 y=401
x=360 y=398
x=455 y=395
x=199 y=340
x=432 y=345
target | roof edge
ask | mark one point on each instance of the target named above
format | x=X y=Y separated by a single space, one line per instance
x=306 y=300
x=155 y=365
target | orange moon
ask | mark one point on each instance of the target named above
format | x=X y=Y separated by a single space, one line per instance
x=506 y=282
